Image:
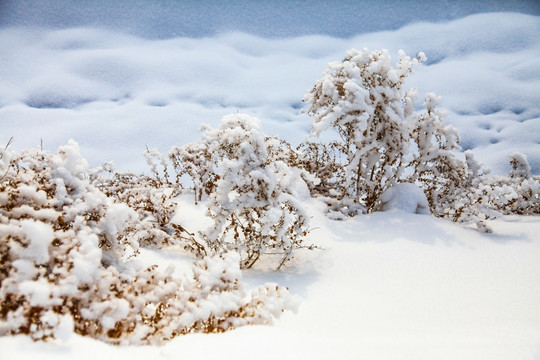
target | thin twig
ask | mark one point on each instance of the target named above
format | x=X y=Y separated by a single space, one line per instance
x=9 y=142
x=7 y=169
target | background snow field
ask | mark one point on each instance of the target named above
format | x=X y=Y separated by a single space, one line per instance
x=165 y=19
x=389 y=285
x=116 y=94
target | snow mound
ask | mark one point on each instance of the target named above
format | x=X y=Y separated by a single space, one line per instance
x=405 y=197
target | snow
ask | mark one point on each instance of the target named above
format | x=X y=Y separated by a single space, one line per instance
x=387 y=285
x=384 y=286
x=38 y=292
x=115 y=94
x=40 y=235
x=275 y=18
x=406 y=197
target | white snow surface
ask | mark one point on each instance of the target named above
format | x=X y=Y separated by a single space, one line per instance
x=116 y=93
x=405 y=197
x=391 y=285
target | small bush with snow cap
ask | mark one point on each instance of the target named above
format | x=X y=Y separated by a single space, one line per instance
x=520 y=165
x=255 y=199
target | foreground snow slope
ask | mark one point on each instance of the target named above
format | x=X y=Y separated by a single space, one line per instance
x=386 y=286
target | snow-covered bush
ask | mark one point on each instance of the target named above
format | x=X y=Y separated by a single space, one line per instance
x=154 y=198
x=196 y=161
x=155 y=306
x=520 y=166
x=381 y=139
x=382 y=144
x=434 y=163
x=64 y=250
x=363 y=100
x=57 y=232
x=483 y=198
x=254 y=201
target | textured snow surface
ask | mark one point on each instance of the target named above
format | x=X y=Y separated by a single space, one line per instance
x=386 y=286
x=116 y=93
x=272 y=18
x=391 y=285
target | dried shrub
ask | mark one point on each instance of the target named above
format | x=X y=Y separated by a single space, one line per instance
x=254 y=194
x=154 y=199
x=196 y=161
x=361 y=98
x=484 y=198
x=323 y=160
x=64 y=265
x=381 y=140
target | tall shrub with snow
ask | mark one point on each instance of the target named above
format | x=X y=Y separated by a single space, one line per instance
x=382 y=139
x=362 y=99
x=64 y=247
x=255 y=204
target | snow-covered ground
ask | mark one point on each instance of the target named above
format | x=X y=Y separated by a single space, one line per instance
x=385 y=286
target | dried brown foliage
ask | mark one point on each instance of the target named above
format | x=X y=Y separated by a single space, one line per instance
x=64 y=266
